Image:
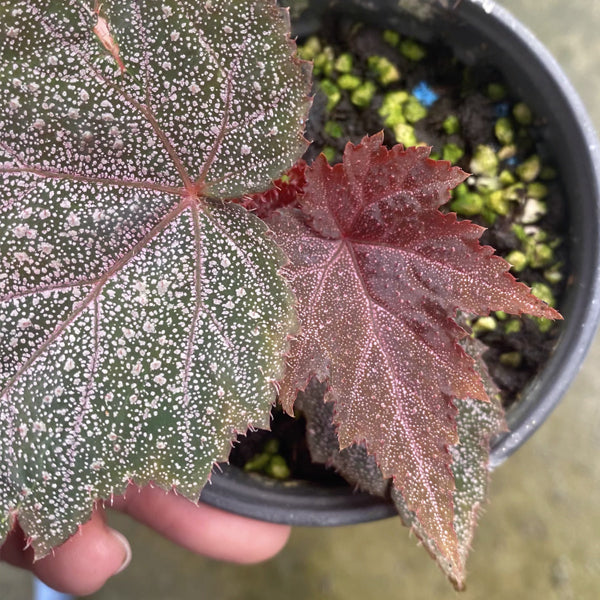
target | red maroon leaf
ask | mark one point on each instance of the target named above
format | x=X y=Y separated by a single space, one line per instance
x=284 y=192
x=379 y=274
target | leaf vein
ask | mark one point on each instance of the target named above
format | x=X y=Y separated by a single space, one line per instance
x=145 y=111
x=62 y=175
x=85 y=399
x=198 y=277
x=400 y=415
x=204 y=42
x=214 y=151
x=94 y=293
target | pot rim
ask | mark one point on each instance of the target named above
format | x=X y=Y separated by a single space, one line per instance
x=583 y=315
x=307 y=504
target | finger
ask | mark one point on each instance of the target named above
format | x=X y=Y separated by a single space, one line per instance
x=202 y=528
x=85 y=561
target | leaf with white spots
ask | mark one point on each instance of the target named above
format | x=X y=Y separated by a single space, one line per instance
x=142 y=320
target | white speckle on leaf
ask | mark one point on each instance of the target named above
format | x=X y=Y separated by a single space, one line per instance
x=73 y=220
x=20 y=231
x=162 y=287
x=128 y=332
x=22 y=257
x=149 y=327
x=98 y=215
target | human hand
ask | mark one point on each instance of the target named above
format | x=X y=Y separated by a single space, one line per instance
x=83 y=563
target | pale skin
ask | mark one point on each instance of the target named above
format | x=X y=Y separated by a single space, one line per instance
x=86 y=561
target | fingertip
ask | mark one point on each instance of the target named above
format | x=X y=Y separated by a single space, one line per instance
x=84 y=563
x=270 y=541
x=204 y=529
x=126 y=549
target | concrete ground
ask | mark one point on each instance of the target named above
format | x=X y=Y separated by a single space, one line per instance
x=540 y=536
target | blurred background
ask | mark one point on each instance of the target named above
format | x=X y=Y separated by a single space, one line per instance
x=540 y=535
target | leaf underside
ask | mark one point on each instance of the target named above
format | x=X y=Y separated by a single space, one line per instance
x=141 y=323
x=378 y=272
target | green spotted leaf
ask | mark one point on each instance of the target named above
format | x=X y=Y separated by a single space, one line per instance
x=143 y=319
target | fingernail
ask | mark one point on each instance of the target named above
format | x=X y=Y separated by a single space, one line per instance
x=126 y=549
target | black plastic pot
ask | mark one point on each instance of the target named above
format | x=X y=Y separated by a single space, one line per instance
x=477 y=30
